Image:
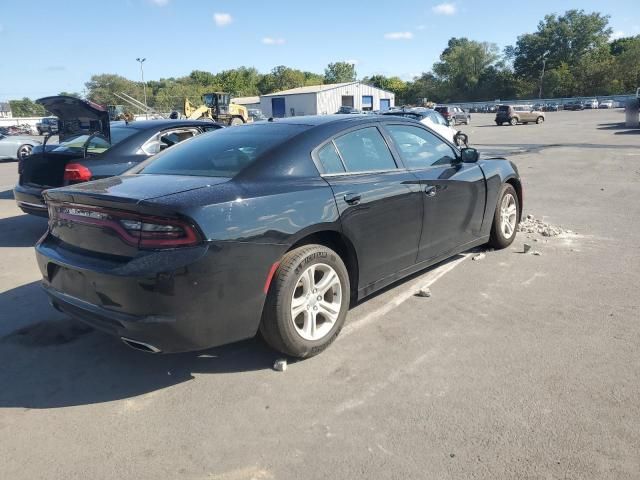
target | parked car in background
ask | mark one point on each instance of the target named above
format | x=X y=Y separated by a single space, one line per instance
x=91 y=147
x=575 y=105
x=345 y=110
x=514 y=114
x=589 y=104
x=606 y=104
x=273 y=226
x=434 y=121
x=47 y=125
x=256 y=114
x=551 y=107
x=454 y=114
x=16 y=147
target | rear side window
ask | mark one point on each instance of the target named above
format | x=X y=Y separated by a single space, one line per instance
x=329 y=159
x=223 y=153
x=365 y=150
x=503 y=108
x=420 y=148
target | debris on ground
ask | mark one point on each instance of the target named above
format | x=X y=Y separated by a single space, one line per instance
x=536 y=253
x=479 y=256
x=424 y=292
x=532 y=225
x=526 y=247
x=280 y=365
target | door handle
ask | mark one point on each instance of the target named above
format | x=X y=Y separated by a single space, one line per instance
x=430 y=191
x=352 y=198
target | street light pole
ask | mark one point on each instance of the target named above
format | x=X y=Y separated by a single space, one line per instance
x=544 y=64
x=144 y=85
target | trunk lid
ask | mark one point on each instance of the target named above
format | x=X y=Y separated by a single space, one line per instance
x=77 y=116
x=100 y=216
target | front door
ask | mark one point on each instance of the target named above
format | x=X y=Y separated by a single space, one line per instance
x=347 y=101
x=453 y=192
x=380 y=204
x=277 y=107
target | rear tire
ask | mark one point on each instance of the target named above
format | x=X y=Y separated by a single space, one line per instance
x=505 y=218
x=513 y=122
x=307 y=302
x=235 y=121
x=539 y=120
x=452 y=122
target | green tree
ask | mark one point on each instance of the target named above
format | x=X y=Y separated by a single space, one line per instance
x=281 y=78
x=391 y=84
x=102 y=88
x=71 y=94
x=340 y=72
x=26 y=108
x=462 y=64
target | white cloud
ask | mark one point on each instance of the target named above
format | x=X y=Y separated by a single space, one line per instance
x=273 y=41
x=617 y=34
x=398 y=36
x=222 y=19
x=445 y=9
x=159 y=3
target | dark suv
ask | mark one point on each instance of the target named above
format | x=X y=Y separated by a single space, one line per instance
x=454 y=114
x=47 y=125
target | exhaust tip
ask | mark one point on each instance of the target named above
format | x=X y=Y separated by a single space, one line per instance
x=143 y=347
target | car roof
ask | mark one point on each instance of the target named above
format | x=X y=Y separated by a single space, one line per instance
x=316 y=120
x=161 y=124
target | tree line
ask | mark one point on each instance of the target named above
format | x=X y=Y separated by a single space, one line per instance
x=571 y=54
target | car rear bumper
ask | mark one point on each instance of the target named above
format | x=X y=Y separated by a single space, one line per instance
x=174 y=301
x=29 y=200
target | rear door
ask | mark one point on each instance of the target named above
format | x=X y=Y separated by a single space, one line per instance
x=380 y=204
x=453 y=193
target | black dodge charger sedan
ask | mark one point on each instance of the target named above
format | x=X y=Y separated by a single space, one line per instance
x=274 y=227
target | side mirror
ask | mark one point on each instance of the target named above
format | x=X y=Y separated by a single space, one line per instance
x=469 y=155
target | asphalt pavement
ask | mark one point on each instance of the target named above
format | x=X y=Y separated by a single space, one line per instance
x=519 y=366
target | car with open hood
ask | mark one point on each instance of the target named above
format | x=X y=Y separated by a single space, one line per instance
x=91 y=147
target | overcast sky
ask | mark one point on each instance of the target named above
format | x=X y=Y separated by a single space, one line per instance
x=49 y=46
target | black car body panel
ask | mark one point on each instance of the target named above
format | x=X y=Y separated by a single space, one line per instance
x=213 y=292
x=45 y=168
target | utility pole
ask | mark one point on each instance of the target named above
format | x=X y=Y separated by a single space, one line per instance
x=144 y=85
x=544 y=64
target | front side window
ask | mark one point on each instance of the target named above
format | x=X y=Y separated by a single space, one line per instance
x=420 y=148
x=365 y=150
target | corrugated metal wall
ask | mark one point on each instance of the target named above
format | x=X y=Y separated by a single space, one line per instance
x=330 y=101
x=302 y=104
x=327 y=102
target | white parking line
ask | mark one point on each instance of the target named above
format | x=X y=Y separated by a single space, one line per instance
x=407 y=292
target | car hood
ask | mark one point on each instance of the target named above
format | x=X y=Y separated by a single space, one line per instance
x=77 y=116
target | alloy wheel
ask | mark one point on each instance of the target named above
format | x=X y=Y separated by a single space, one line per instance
x=316 y=301
x=24 y=151
x=508 y=215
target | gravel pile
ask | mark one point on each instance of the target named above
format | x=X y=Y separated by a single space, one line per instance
x=532 y=225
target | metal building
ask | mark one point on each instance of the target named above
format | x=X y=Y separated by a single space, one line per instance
x=325 y=99
x=249 y=102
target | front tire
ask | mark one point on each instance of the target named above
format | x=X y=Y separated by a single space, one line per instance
x=307 y=302
x=236 y=121
x=24 y=151
x=505 y=218
x=539 y=120
x=452 y=122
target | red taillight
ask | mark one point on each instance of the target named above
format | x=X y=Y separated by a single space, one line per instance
x=139 y=230
x=76 y=172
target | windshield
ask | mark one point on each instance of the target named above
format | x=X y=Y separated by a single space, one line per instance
x=223 y=153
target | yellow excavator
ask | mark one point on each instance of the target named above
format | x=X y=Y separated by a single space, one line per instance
x=217 y=106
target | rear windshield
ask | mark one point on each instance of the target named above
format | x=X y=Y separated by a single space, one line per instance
x=97 y=144
x=223 y=153
x=503 y=108
x=441 y=109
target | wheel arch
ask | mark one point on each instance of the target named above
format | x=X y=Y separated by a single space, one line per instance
x=339 y=243
x=517 y=185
